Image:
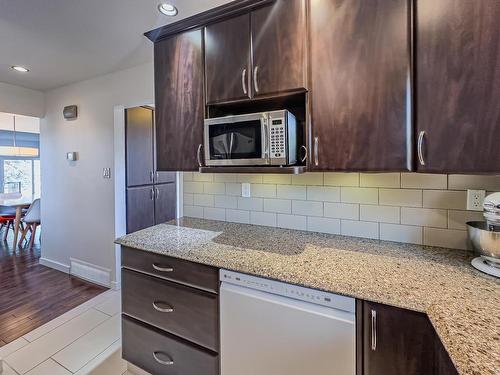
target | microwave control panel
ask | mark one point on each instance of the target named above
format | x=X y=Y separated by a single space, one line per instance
x=278 y=138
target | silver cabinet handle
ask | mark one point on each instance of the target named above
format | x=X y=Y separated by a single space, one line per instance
x=420 y=143
x=255 y=79
x=198 y=155
x=157 y=176
x=316 y=152
x=166 y=309
x=304 y=158
x=151 y=176
x=374 y=330
x=168 y=362
x=244 y=81
x=157 y=192
x=162 y=268
x=152 y=194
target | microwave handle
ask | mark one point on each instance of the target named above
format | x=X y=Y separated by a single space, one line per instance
x=198 y=155
x=266 y=138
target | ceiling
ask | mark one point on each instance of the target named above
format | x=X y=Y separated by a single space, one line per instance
x=65 y=41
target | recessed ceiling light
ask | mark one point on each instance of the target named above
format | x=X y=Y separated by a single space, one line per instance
x=21 y=69
x=167 y=9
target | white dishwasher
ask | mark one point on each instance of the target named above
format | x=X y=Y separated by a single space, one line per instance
x=273 y=328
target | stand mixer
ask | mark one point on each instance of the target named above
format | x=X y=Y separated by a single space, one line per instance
x=485 y=237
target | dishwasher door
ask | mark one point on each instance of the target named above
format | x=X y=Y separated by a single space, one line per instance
x=268 y=334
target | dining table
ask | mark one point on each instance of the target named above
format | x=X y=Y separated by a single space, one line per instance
x=19 y=202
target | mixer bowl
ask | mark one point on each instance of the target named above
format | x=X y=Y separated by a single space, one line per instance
x=485 y=242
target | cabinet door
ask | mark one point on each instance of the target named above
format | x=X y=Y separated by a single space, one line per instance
x=140 y=208
x=458 y=70
x=396 y=341
x=165 y=202
x=278 y=42
x=139 y=145
x=180 y=108
x=360 y=59
x=227 y=59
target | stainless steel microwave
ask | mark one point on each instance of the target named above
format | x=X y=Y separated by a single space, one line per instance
x=266 y=138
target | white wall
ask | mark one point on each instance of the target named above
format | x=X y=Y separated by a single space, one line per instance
x=21 y=101
x=78 y=206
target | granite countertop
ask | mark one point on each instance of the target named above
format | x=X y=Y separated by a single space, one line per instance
x=462 y=303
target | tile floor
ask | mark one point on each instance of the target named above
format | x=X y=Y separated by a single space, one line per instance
x=83 y=341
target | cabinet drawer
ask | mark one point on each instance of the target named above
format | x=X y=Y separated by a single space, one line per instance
x=159 y=354
x=178 y=270
x=181 y=310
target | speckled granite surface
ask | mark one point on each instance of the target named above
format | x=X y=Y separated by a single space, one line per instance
x=462 y=303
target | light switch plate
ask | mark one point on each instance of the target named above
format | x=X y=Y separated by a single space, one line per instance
x=245 y=190
x=475 y=200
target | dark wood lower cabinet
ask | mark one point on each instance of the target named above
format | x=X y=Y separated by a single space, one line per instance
x=162 y=354
x=397 y=341
x=140 y=208
x=165 y=202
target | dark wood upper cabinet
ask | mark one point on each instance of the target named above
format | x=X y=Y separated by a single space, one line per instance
x=360 y=74
x=180 y=107
x=139 y=146
x=398 y=341
x=279 y=47
x=458 y=85
x=227 y=59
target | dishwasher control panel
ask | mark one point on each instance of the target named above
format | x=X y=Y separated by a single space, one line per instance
x=318 y=297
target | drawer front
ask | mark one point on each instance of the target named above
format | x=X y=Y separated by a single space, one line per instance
x=178 y=270
x=189 y=313
x=162 y=354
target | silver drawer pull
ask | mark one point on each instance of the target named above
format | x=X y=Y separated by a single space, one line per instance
x=374 y=330
x=162 y=268
x=168 y=362
x=420 y=152
x=166 y=309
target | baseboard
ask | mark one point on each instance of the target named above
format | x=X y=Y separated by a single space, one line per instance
x=55 y=265
x=91 y=272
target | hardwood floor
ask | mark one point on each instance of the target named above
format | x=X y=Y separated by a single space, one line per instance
x=32 y=294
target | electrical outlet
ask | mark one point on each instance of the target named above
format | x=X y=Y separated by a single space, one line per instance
x=245 y=190
x=475 y=200
x=106 y=173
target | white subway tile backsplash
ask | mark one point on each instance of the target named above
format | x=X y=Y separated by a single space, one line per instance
x=455 y=239
x=323 y=225
x=263 y=190
x=458 y=218
x=238 y=216
x=364 y=229
x=308 y=179
x=212 y=213
x=403 y=207
x=359 y=195
x=267 y=219
x=400 y=197
x=203 y=177
x=225 y=201
x=282 y=179
x=480 y=182
x=401 y=233
x=383 y=214
x=193 y=211
x=250 y=204
x=341 y=179
x=323 y=193
x=214 y=188
x=292 y=222
x=283 y=206
x=187 y=199
x=425 y=217
x=233 y=189
x=385 y=180
x=307 y=208
x=193 y=187
x=445 y=199
x=342 y=210
x=291 y=192
x=424 y=181
x=206 y=200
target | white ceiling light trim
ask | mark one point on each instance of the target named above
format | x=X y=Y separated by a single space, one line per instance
x=167 y=9
x=19 y=68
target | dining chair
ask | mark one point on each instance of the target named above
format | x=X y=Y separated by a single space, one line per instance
x=32 y=221
x=7 y=220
